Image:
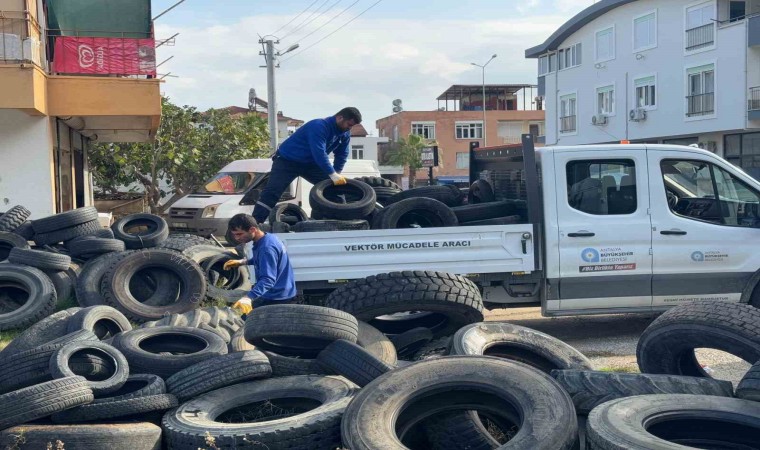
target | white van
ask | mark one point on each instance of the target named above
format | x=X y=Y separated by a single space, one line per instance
x=236 y=188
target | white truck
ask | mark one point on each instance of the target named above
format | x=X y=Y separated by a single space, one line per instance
x=607 y=229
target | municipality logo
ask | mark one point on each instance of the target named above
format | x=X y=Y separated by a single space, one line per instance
x=698 y=257
x=590 y=255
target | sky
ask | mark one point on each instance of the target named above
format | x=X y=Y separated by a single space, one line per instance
x=399 y=49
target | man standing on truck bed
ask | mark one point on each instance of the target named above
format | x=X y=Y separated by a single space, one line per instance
x=275 y=284
x=305 y=154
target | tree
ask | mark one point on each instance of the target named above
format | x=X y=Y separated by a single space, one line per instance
x=407 y=152
x=190 y=147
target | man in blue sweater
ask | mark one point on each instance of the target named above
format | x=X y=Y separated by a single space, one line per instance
x=305 y=154
x=275 y=284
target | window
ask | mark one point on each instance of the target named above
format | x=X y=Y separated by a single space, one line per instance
x=743 y=150
x=605 y=45
x=424 y=129
x=547 y=64
x=510 y=132
x=737 y=10
x=691 y=189
x=605 y=100
x=570 y=56
x=645 y=32
x=700 y=26
x=700 y=100
x=567 y=114
x=463 y=160
x=536 y=129
x=395 y=133
x=602 y=187
x=357 y=152
x=645 y=92
x=469 y=130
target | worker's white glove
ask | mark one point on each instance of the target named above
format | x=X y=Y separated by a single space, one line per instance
x=338 y=179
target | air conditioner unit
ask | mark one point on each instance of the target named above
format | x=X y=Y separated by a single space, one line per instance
x=599 y=119
x=637 y=114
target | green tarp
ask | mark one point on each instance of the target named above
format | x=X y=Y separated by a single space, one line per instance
x=106 y=18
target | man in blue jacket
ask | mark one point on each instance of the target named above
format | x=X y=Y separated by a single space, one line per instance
x=275 y=284
x=305 y=154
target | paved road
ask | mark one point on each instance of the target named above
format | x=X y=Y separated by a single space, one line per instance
x=609 y=341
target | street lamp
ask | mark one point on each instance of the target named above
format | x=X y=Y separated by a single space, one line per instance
x=483 y=67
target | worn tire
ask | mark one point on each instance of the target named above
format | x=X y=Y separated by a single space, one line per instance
x=673 y=422
x=62 y=284
x=451 y=300
x=373 y=421
x=749 y=386
x=590 y=389
x=238 y=342
x=87 y=287
x=376 y=343
x=217 y=373
x=437 y=348
x=39 y=259
x=116 y=370
x=104 y=321
x=449 y=195
x=316 y=429
x=360 y=199
x=139 y=385
x=67 y=234
x=143 y=348
x=90 y=248
x=416 y=213
x=9 y=241
x=281 y=211
x=51 y=327
x=66 y=219
x=298 y=330
x=103 y=233
x=667 y=345
x=124 y=436
x=157 y=230
x=525 y=345
x=25 y=230
x=329 y=225
x=117 y=409
x=286 y=366
x=480 y=191
x=353 y=362
x=12 y=219
x=180 y=242
x=491 y=210
x=42 y=400
x=376 y=182
x=38 y=290
x=207 y=256
x=116 y=292
x=411 y=341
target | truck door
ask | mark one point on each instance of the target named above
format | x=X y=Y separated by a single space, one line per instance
x=604 y=230
x=705 y=225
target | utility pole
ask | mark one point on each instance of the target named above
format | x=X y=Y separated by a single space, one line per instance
x=483 y=67
x=271 y=58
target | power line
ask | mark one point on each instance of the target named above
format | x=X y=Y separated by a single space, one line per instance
x=296 y=17
x=335 y=31
x=328 y=22
x=318 y=16
x=300 y=25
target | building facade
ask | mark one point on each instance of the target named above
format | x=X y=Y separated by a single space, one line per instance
x=364 y=146
x=675 y=72
x=64 y=87
x=459 y=121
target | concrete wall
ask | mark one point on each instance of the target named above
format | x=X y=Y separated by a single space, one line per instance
x=26 y=152
x=668 y=62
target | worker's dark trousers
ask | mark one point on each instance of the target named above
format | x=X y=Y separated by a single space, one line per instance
x=260 y=302
x=283 y=173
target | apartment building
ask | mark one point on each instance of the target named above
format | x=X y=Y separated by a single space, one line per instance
x=673 y=72
x=510 y=110
x=71 y=74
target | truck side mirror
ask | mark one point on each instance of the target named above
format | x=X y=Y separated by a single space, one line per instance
x=251 y=197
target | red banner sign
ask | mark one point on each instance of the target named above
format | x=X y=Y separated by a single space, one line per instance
x=105 y=56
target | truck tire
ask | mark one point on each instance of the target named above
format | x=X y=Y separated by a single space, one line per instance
x=13 y=218
x=749 y=386
x=490 y=210
x=289 y=213
x=589 y=389
x=217 y=373
x=9 y=241
x=146 y=348
x=353 y=362
x=409 y=342
x=329 y=225
x=42 y=400
x=66 y=234
x=116 y=292
x=238 y=342
x=26 y=296
x=416 y=212
x=480 y=191
x=449 y=301
x=87 y=287
x=376 y=182
x=104 y=321
x=103 y=233
x=117 y=409
x=111 y=379
x=667 y=345
x=123 y=436
x=286 y=366
x=140 y=231
x=47 y=329
x=509 y=220
x=139 y=385
x=524 y=345
x=62 y=284
x=39 y=259
x=25 y=230
x=298 y=330
x=180 y=242
x=354 y=200
x=661 y=422
x=376 y=343
x=373 y=419
x=449 y=195
x=209 y=258
x=93 y=247
x=434 y=349
x=316 y=424
x=66 y=219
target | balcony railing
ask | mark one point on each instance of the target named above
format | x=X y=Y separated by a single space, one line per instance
x=753 y=101
x=700 y=37
x=700 y=104
x=567 y=124
x=506 y=140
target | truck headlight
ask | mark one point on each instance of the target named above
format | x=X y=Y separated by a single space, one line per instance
x=210 y=211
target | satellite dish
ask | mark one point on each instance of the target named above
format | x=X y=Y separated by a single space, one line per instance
x=252 y=99
x=397 y=102
x=397 y=109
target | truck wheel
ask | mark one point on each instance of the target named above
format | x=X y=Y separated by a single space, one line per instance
x=749 y=387
x=667 y=344
x=416 y=213
x=449 y=195
x=354 y=200
x=141 y=230
x=490 y=210
x=12 y=219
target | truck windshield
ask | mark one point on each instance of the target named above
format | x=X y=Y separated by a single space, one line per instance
x=230 y=183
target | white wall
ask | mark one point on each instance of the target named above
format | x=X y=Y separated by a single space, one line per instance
x=25 y=163
x=667 y=61
x=370 y=146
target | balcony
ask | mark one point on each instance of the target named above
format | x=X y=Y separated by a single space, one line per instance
x=700 y=104
x=700 y=37
x=567 y=124
x=753 y=103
